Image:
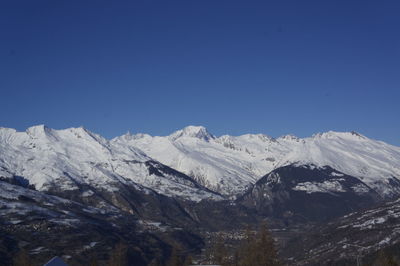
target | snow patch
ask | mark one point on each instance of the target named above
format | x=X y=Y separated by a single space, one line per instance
x=370 y=223
x=336 y=174
x=360 y=188
x=314 y=187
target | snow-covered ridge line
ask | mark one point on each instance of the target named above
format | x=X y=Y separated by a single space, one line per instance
x=230 y=164
x=226 y=164
x=75 y=157
x=200 y=132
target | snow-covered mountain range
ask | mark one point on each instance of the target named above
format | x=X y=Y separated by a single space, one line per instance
x=190 y=163
x=185 y=185
x=230 y=164
x=76 y=159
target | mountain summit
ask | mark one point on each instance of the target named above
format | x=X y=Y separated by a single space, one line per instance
x=199 y=132
x=75 y=159
x=229 y=165
x=232 y=164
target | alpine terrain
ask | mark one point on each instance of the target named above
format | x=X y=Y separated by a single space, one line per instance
x=77 y=195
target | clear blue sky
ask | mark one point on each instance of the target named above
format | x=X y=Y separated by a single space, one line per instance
x=273 y=67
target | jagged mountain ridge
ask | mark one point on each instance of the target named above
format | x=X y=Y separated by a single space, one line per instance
x=227 y=164
x=232 y=164
x=124 y=174
x=77 y=159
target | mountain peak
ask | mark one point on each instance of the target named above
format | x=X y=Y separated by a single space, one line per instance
x=335 y=134
x=39 y=131
x=289 y=137
x=354 y=133
x=262 y=137
x=129 y=136
x=199 y=132
x=83 y=133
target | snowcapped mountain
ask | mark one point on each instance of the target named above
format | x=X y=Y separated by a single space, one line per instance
x=88 y=186
x=185 y=162
x=231 y=164
x=75 y=159
x=196 y=153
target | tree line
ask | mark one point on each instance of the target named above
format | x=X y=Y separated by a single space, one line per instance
x=257 y=248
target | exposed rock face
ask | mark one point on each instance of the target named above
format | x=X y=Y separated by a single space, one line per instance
x=307 y=193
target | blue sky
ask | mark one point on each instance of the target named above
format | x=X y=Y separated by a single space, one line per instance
x=273 y=67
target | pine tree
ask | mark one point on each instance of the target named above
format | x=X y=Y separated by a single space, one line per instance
x=155 y=262
x=93 y=262
x=220 y=254
x=385 y=259
x=22 y=258
x=235 y=258
x=174 y=259
x=247 y=251
x=119 y=255
x=258 y=249
x=266 y=247
x=188 y=261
